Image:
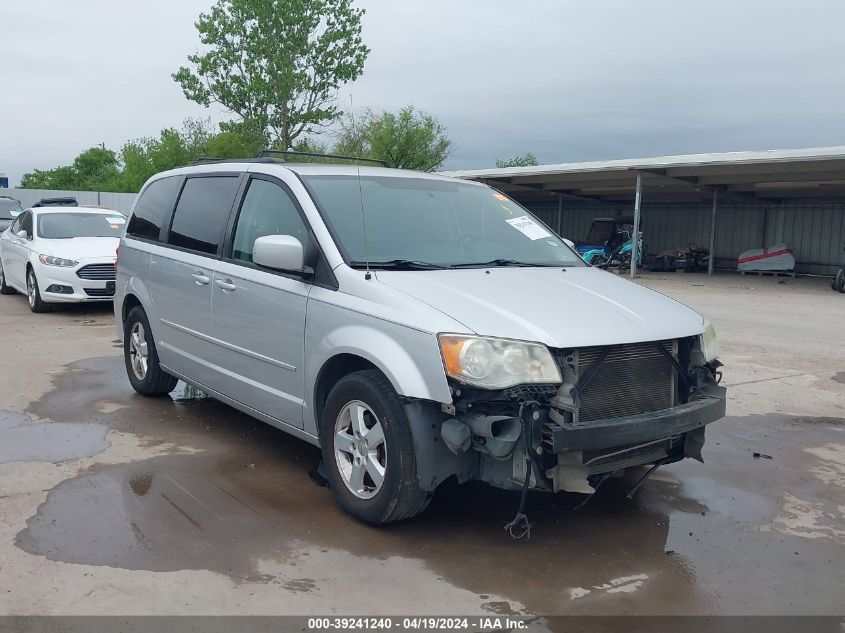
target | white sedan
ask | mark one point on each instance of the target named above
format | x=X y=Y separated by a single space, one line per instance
x=61 y=255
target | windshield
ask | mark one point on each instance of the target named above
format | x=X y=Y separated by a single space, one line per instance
x=55 y=226
x=421 y=222
x=9 y=209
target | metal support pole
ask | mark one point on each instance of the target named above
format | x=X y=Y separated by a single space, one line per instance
x=559 y=215
x=712 y=260
x=635 y=238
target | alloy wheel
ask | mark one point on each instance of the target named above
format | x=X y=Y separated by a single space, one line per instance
x=360 y=449
x=138 y=350
x=30 y=288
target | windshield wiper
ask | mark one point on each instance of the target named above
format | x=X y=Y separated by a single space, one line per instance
x=500 y=262
x=398 y=264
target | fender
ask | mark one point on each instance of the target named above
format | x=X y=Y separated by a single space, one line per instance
x=134 y=286
x=420 y=376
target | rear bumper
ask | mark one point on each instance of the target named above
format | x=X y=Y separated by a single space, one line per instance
x=642 y=428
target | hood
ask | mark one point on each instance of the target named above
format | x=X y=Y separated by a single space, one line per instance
x=80 y=248
x=570 y=307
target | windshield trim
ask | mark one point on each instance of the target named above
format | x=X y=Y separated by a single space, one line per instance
x=356 y=264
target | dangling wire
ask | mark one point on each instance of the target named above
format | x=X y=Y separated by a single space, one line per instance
x=520 y=526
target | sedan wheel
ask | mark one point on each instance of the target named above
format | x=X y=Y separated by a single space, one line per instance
x=4 y=289
x=138 y=350
x=34 y=294
x=360 y=449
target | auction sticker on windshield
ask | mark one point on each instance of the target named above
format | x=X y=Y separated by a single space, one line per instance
x=528 y=227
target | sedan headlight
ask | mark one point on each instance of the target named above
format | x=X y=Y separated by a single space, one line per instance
x=49 y=260
x=495 y=363
x=709 y=343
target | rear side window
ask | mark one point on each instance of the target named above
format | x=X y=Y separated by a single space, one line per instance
x=202 y=213
x=153 y=207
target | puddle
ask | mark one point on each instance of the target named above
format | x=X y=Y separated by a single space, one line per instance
x=22 y=440
x=245 y=498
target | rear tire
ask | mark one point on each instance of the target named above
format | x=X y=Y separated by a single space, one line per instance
x=4 y=289
x=839 y=280
x=36 y=304
x=368 y=450
x=141 y=358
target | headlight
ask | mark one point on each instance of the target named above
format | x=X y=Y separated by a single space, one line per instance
x=49 y=260
x=495 y=363
x=709 y=343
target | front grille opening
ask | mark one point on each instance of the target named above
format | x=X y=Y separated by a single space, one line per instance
x=633 y=379
x=104 y=272
x=99 y=292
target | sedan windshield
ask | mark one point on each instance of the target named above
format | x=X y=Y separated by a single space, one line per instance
x=55 y=226
x=422 y=223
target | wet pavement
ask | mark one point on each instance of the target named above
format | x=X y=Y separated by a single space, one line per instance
x=147 y=488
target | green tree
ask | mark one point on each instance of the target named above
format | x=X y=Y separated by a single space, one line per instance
x=277 y=63
x=407 y=139
x=526 y=160
x=95 y=169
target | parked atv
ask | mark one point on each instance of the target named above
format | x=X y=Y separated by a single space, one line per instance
x=609 y=242
x=620 y=257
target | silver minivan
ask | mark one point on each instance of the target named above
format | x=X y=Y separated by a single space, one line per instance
x=415 y=327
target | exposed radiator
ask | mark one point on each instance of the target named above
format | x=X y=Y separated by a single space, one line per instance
x=633 y=378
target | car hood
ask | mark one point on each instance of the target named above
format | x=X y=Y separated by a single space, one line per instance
x=80 y=248
x=570 y=307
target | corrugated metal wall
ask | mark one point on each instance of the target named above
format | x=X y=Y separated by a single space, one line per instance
x=118 y=201
x=814 y=229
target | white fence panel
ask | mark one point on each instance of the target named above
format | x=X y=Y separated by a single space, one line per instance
x=118 y=201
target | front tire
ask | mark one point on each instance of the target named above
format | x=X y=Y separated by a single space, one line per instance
x=36 y=304
x=141 y=358
x=4 y=289
x=368 y=450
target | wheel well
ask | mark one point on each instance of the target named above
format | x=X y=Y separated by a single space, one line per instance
x=333 y=370
x=128 y=303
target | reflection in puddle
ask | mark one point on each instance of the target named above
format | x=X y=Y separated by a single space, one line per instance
x=140 y=484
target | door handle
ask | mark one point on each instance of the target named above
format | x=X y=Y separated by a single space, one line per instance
x=225 y=284
x=201 y=278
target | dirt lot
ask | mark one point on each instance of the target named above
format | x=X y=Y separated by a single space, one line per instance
x=112 y=503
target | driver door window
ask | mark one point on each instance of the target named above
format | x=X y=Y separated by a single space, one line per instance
x=267 y=209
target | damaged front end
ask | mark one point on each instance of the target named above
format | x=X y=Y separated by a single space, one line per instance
x=617 y=407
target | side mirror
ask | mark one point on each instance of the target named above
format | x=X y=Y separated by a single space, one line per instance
x=22 y=234
x=569 y=243
x=279 y=252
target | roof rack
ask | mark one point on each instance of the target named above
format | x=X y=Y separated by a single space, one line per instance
x=293 y=153
x=261 y=159
x=57 y=202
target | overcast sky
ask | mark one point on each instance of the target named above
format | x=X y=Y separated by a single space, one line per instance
x=566 y=79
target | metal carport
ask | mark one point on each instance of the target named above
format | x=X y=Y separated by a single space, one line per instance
x=732 y=201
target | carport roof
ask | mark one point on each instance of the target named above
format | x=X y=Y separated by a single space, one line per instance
x=755 y=176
